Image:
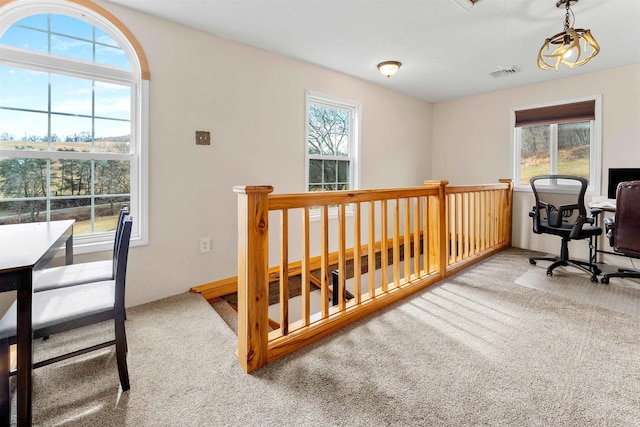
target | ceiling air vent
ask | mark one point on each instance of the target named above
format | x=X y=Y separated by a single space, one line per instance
x=504 y=71
x=466 y=4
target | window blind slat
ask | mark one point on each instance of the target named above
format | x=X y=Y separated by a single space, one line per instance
x=564 y=113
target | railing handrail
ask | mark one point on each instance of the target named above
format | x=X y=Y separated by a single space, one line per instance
x=306 y=200
x=446 y=228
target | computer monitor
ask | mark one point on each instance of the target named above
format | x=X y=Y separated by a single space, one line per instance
x=618 y=175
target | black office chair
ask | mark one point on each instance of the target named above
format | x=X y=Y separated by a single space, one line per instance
x=72 y=307
x=623 y=229
x=569 y=221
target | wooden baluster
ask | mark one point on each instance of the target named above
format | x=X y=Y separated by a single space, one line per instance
x=416 y=237
x=305 y=279
x=453 y=253
x=472 y=223
x=342 y=265
x=253 y=286
x=426 y=249
x=284 y=272
x=465 y=223
x=459 y=227
x=357 y=254
x=483 y=220
x=384 y=249
x=407 y=240
x=396 y=243
x=326 y=278
x=371 y=251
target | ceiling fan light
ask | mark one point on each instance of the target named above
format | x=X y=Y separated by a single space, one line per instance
x=389 y=68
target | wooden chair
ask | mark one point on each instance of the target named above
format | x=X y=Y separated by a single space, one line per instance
x=78 y=274
x=72 y=307
x=624 y=229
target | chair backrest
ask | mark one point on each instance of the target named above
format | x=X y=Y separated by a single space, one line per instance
x=124 y=211
x=626 y=233
x=120 y=260
x=574 y=212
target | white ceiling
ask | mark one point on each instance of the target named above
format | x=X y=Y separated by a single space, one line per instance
x=446 y=51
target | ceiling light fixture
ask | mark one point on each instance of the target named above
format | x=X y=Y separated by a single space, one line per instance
x=568 y=51
x=389 y=68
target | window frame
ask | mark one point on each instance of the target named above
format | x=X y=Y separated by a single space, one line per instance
x=354 y=110
x=595 y=149
x=134 y=78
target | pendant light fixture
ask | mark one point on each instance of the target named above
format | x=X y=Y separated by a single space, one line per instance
x=564 y=48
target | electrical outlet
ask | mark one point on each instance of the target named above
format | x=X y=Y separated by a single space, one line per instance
x=203 y=137
x=205 y=245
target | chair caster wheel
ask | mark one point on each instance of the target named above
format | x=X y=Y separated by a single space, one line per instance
x=532 y=261
x=594 y=279
x=604 y=280
x=549 y=273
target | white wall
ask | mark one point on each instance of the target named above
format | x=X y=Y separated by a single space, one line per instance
x=253 y=103
x=471 y=136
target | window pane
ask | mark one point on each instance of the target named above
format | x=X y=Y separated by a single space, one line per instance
x=22 y=178
x=112 y=136
x=534 y=152
x=574 y=148
x=328 y=131
x=70 y=177
x=40 y=22
x=107 y=211
x=112 y=101
x=112 y=177
x=71 y=48
x=21 y=88
x=330 y=173
x=13 y=212
x=71 y=95
x=73 y=27
x=25 y=39
x=74 y=133
x=315 y=171
x=112 y=56
x=104 y=38
x=22 y=130
x=343 y=171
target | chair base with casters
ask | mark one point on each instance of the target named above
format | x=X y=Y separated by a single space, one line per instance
x=622 y=272
x=564 y=261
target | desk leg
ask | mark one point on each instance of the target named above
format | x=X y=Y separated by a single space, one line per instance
x=68 y=253
x=25 y=347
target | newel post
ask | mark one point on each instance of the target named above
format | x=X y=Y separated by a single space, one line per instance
x=438 y=227
x=508 y=210
x=253 y=286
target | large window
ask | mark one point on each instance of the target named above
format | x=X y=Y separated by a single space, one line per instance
x=71 y=133
x=562 y=138
x=332 y=134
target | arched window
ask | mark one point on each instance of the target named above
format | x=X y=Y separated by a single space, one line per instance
x=73 y=122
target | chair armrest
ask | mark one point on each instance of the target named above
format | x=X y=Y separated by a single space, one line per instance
x=609 y=225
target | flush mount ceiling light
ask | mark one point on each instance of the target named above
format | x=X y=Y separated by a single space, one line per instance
x=565 y=46
x=389 y=68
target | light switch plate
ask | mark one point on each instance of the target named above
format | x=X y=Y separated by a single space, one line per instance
x=203 y=137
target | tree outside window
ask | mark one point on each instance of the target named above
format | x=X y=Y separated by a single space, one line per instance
x=331 y=141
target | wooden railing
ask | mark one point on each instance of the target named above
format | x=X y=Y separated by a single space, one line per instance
x=403 y=240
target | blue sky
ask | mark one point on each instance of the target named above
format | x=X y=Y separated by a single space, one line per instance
x=28 y=89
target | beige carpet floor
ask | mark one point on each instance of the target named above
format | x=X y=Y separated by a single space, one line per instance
x=477 y=349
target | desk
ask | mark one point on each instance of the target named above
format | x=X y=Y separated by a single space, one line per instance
x=25 y=248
